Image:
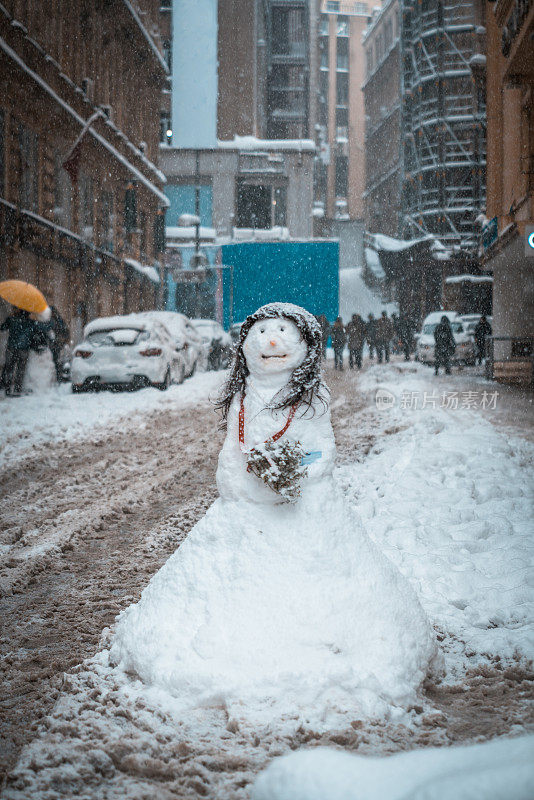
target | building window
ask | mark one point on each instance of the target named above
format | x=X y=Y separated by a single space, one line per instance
x=106 y=234
x=342 y=117
x=279 y=205
x=333 y=5
x=288 y=31
x=2 y=154
x=342 y=26
x=323 y=26
x=29 y=178
x=130 y=208
x=165 y=3
x=360 y=8
x=260 y=205
x=342 y=89
x=342 y=176
x=167 y=53
x=388 y=34
x=85 y=216
x=62 y=193
x=369 y=60
x=342 y=54
x=165 y=130
x=324 y=55
x=143 y=242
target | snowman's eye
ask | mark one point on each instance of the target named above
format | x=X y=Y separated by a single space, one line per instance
x=262 y=330
x=282 y=328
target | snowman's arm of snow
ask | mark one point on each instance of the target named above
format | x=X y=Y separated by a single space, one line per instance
x=314 y=432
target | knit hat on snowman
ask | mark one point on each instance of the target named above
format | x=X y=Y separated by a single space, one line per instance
x=305 y=383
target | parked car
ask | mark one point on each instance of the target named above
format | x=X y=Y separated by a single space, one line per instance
x=186 y=338
x=217 y=343
x=465 y=348
x=127 y=351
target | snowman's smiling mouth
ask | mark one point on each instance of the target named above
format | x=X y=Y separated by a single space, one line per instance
x=273 y=356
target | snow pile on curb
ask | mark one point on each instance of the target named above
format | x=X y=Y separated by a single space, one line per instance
x=449 y=499
x=497 y=770
x=57 y=414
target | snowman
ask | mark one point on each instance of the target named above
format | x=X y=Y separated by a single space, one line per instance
x=278 y=605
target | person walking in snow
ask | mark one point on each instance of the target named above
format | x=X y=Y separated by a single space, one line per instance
x=58 y=336
x=21 y=331
x=325 y=332
x=339 y=339
x=370 y=335
x=405 y=333
x=482 y=329
x=356 y=337
x=384 y=335
x=445 y=345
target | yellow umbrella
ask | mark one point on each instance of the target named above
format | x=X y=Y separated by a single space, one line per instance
x=24 y=295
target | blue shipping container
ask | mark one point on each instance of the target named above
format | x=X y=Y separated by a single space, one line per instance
x=304 y=273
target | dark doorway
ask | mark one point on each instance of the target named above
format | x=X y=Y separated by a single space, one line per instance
x=254 y=206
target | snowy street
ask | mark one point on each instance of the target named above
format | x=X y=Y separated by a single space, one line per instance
x=96 y=500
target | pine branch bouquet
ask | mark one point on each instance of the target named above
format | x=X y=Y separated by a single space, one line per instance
x=279 y=465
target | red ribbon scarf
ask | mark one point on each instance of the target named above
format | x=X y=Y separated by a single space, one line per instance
x=276 y=436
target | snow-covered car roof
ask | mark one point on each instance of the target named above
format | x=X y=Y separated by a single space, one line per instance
x=113 y=323
x=436 y=316
x=177 y=324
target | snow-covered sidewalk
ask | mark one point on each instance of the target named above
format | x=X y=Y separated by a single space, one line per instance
x=55 y=414
x=445 y=489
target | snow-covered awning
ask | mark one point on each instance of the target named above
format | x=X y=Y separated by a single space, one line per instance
x=252 y=143
x=469 y=279
x=382 y=242
x=189 y=232
x=144 y=269
x=372 y=259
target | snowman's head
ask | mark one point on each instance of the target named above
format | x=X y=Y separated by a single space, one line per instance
x=273 y=346
x=277 y=338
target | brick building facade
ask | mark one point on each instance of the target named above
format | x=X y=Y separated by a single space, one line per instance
x=382 y=99
x=510 y=183
x=87 y=235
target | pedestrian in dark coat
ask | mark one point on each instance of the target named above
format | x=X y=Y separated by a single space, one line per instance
x=58 y=336
x=405 y=332
x=339 y=338
x=325 y=331
x=384 y=334
x=370 y=335
x=445 y=345
x=482 y=329
x=356 y=337
x=21 y=330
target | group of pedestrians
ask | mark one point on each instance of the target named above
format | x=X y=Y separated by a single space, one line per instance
x=25 y=334
x=382 y=335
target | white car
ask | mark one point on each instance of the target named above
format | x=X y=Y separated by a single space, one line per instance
x=127 y=351
x=465 y=348
x=217 y=343
x=186 y=338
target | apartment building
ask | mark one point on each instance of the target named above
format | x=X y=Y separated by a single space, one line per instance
x=81 y=199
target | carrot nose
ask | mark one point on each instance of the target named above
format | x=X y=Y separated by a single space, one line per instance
x=272 y=343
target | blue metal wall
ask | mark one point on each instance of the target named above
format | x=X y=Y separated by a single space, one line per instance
x=305 y=273
x=182 y=201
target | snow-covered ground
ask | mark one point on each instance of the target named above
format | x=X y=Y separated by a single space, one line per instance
x=440 y=484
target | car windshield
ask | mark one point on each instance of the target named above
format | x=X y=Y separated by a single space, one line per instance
x=117 y=337
x=431 y=327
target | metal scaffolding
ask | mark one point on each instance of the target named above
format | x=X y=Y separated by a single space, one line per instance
x=443 y=121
